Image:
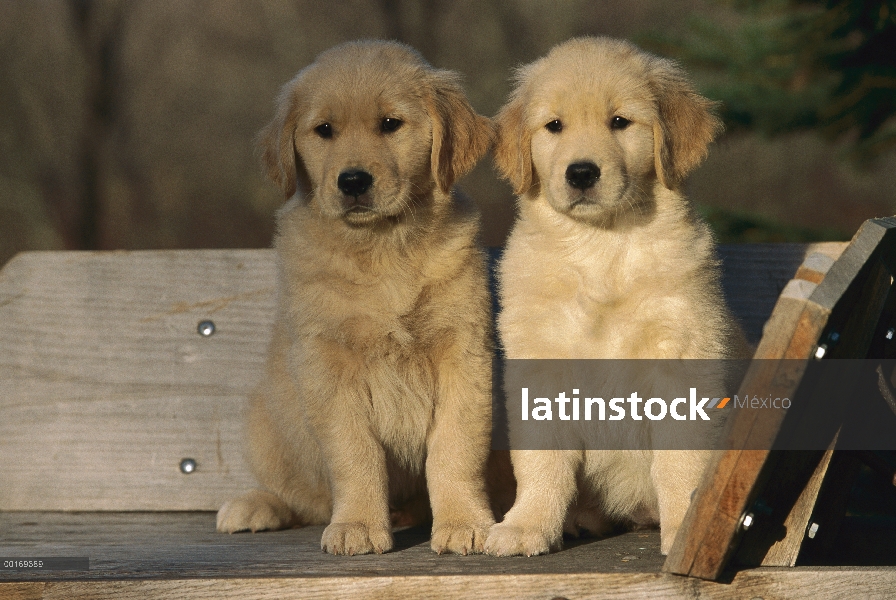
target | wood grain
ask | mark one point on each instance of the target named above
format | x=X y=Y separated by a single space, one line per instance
x=794 y=584
x=753 y=276
x=105 y=385
x=712 y=523
x=178 y=545
x=826 y=295
x=784 y=552
x=147 y=555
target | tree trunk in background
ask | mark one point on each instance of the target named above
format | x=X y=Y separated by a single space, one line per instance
x=98 y=25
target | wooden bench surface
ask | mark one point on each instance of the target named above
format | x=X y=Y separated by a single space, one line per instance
x=106 y=385
x=145 y=555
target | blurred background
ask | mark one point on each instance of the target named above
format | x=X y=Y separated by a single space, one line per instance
x=130 y=124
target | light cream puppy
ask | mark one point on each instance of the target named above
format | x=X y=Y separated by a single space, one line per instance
x=378 y=382
x=607 y=260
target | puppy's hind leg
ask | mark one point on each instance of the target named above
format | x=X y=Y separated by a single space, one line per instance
x=675 y=474
x=255 y=511
x=286 y=461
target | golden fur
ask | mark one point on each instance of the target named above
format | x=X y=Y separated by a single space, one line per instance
x=622 y=269
x=377 y=392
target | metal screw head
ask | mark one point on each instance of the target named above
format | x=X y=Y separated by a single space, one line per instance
x=820 y=351
x=890 y=333
x=187 y=466
x=206 y=328
x=813 y=529
x=747 y=521
x=834 y=336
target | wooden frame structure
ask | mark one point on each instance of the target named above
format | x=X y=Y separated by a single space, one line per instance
x=107 y=386
x=787 y=502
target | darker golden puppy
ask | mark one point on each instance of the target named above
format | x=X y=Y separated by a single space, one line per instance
x=377 y=393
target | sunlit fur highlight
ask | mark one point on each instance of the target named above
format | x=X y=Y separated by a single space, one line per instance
x=624 y=269
x=376 y=400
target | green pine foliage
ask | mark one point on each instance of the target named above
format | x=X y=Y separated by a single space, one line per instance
x=786 y=65
x=740 y=227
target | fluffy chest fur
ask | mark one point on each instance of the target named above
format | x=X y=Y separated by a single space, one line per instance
x=642 y=291
x=383 y=321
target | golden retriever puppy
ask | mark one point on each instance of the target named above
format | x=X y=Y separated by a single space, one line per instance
x=378 y=384
x=606 y=261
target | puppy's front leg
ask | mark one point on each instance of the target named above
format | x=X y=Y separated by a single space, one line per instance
x=360 y=523
x=546 y=485
x=358 y=477
x=457 y=450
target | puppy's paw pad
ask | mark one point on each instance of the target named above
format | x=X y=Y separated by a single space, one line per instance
x=460 y=538
x=355 y=538
x=507 y=540
x=252 y=514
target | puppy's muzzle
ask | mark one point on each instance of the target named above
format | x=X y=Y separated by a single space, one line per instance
x=582 y=175
x=354 y=184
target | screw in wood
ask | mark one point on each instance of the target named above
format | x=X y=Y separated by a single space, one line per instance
x=206 y=328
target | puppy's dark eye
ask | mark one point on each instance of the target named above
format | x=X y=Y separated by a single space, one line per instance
x=389 y=124
x=324 y=130
x=554 y=126
x=619 y=123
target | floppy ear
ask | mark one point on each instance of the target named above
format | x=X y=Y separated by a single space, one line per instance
x=460 y=137
x=513 y=150
x=277 y=143
x=685 y=125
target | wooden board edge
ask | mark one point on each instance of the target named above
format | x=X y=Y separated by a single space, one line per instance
x=22 y=591
x=853 y=263
x=798 y=583
x=707 y=522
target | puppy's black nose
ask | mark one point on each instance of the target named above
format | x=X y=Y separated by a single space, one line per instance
x=354 y=183
x=582 y=175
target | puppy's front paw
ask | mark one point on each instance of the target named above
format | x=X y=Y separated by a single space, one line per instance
x=256 y=511
x=355 y=538
x=505 y=539
x=459 y=538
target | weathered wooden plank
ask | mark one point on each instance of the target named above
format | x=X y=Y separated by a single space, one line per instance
x=105 y=384
x=714 y=518
x=857 y=327
x=21 y=591
x=829 y=512
x=753 y=276
x=795 y=584
x=784 y=552
x=825 y=297
x=179 y=555
x=178 y=545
